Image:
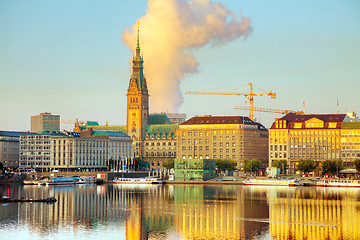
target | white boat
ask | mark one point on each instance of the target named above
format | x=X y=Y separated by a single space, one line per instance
x=85 y=180
x=338 y=182
x=58 y=181
x=137 y=181
x=31 y=182
x=273 y=182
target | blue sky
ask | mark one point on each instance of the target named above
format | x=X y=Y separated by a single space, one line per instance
x=67 y=58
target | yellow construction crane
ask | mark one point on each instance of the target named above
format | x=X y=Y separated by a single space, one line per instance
x=280 y=111
x=249 y=96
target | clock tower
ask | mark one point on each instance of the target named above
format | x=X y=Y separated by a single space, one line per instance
x=137 y=102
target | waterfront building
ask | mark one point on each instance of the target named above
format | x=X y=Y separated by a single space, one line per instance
x=194 y=169
x=350 y=143
x=223 y=137
x=314 y=136
x=45 y=122
x=88 y=150
x=9 y=148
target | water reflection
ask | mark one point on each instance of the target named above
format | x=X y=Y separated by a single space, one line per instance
x=181 y=212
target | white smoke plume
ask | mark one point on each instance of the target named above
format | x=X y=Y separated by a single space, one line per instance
x=168 y=32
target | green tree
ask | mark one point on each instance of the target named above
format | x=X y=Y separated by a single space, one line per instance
x=306 y=165
x=357 y=165
x=252 y=165
x=169 y=164
x=282 y=164
x=225 y=164
x=332 y=166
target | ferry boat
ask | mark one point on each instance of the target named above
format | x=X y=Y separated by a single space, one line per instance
x=338 y=182
x=58 y=181
x=137 y=181
x=273 y=182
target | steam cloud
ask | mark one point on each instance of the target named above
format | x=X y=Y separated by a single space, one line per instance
x=168 y=32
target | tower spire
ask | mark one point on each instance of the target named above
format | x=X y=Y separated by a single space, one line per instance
x=138 y=40
x=138 y=63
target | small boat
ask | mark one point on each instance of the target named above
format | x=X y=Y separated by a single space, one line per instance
x=338 y=182
x=274 y=182
x=137 y=181
x=58 y=181
x=6 y=199
x=31 y=182
x=85 y=180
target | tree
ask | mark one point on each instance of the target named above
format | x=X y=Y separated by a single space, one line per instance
x=332 y=166
x=306 y=165
x=252 y=165
x=225 y=164
x=169 y=164
x=357 y=165
x=282 y=164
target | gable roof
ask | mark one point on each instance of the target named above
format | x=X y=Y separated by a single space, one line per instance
x=167 y=129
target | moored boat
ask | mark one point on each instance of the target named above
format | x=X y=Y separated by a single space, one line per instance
x=6 y=199
x=137 y=181
x=338 y=182
x=31 y=182
x=273 y=182
x=58 y=181
x=85 y=180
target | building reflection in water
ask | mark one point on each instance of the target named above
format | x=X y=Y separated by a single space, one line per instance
x=186 y=212
x=314 y=213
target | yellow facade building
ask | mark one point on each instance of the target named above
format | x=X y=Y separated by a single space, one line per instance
x=223 y=137
x=315 y=136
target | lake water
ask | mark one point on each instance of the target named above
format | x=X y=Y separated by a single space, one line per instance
x=181 y=212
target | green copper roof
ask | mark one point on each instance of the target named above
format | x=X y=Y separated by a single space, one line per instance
x=109 y=134
x=92 y=123
x=138 y=65
x=158 y=119
x=116 y=128
x=161 y=129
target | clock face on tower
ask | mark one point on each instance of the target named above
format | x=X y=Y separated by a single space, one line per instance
x=133 y=114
